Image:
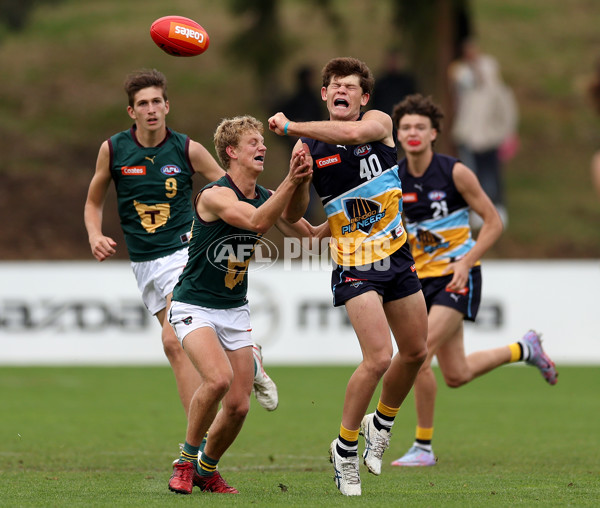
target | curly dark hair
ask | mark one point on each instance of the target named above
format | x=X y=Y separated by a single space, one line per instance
x=347 y=66
x=417 y=104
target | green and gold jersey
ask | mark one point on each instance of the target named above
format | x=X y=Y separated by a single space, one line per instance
x=154 y=189
x=219 y=254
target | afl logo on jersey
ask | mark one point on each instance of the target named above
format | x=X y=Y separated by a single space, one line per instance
x=170 y=170
x=361 y=150
x=436 y=195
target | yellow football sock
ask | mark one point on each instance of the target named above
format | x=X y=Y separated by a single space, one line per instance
x=349 y=435
x=390 y=412
x=424 y=434
x=516 y=353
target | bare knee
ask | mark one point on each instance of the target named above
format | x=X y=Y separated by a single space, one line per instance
x=217 y=384
x=413 y=351
x=171 y=345
x=378 y=365
x=456 y=380
x=415 y=357
x=236 y=410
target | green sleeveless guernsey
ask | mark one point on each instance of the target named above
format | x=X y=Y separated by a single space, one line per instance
x=219 y=254
x=154 y=190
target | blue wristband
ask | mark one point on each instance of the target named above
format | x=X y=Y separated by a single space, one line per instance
x=285 y=127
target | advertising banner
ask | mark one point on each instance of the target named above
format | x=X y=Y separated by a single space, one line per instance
x=78 y=313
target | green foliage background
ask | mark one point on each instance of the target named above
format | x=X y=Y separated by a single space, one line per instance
x=61 y=96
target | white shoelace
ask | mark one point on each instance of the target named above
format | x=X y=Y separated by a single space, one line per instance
x=381 y=444
x=350 y=471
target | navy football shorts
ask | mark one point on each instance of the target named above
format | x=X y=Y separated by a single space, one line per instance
x=466 y=300
x=393 y=278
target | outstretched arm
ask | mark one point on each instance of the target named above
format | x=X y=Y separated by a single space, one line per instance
x=222 y=203
x=303 y=229
x=311 y=236
x=374 y=126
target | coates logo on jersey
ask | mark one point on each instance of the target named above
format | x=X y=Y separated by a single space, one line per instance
x=410 y=197
x=170 y=170
x=328 y=161
x=436 y=195
x=133 y=170
x=362 y=150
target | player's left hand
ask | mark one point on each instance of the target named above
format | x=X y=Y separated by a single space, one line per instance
x=300 y=167
x=460 y=277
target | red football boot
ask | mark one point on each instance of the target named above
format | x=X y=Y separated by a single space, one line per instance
x=183 y=478
x=214 y=483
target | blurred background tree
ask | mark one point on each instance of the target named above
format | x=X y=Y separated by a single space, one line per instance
x=14 y=14
x=63 y=63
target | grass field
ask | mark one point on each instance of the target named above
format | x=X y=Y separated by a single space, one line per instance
x=107 y=436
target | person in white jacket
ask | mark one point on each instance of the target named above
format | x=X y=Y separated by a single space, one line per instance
x=485 y=120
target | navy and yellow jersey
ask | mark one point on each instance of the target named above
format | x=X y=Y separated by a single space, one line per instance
x=154 y=193
x=361 y=192
x=219 y=254
x=436 y=216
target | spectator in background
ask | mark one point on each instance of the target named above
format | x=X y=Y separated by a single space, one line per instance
x=303 y=103
x=596 y=171
x=593 y=92
x=394 y=83
x=485 y=120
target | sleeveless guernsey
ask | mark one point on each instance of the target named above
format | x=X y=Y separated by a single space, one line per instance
x=219 y=254
x=154 y=188
x=362 y=195
x=437 y=216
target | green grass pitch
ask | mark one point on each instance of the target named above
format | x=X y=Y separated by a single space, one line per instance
x=91 y=436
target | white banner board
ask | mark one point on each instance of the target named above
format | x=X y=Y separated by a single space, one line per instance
x=78 y=313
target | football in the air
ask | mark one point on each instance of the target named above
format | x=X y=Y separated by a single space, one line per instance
x=179 y=36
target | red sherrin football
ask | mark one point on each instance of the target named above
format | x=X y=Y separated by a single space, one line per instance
x=179 y=36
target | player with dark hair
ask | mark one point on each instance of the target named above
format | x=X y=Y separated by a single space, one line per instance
x=439 y=191
x=355 y=173
x=152 y=168
x=210 y=312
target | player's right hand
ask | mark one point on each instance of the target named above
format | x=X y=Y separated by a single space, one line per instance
x=277 y=123
x=300 y=167
x=103 y=247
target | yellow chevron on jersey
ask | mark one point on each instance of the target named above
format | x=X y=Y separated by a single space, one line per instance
x=366 y=221
x=434 y=249
x=436 y=216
